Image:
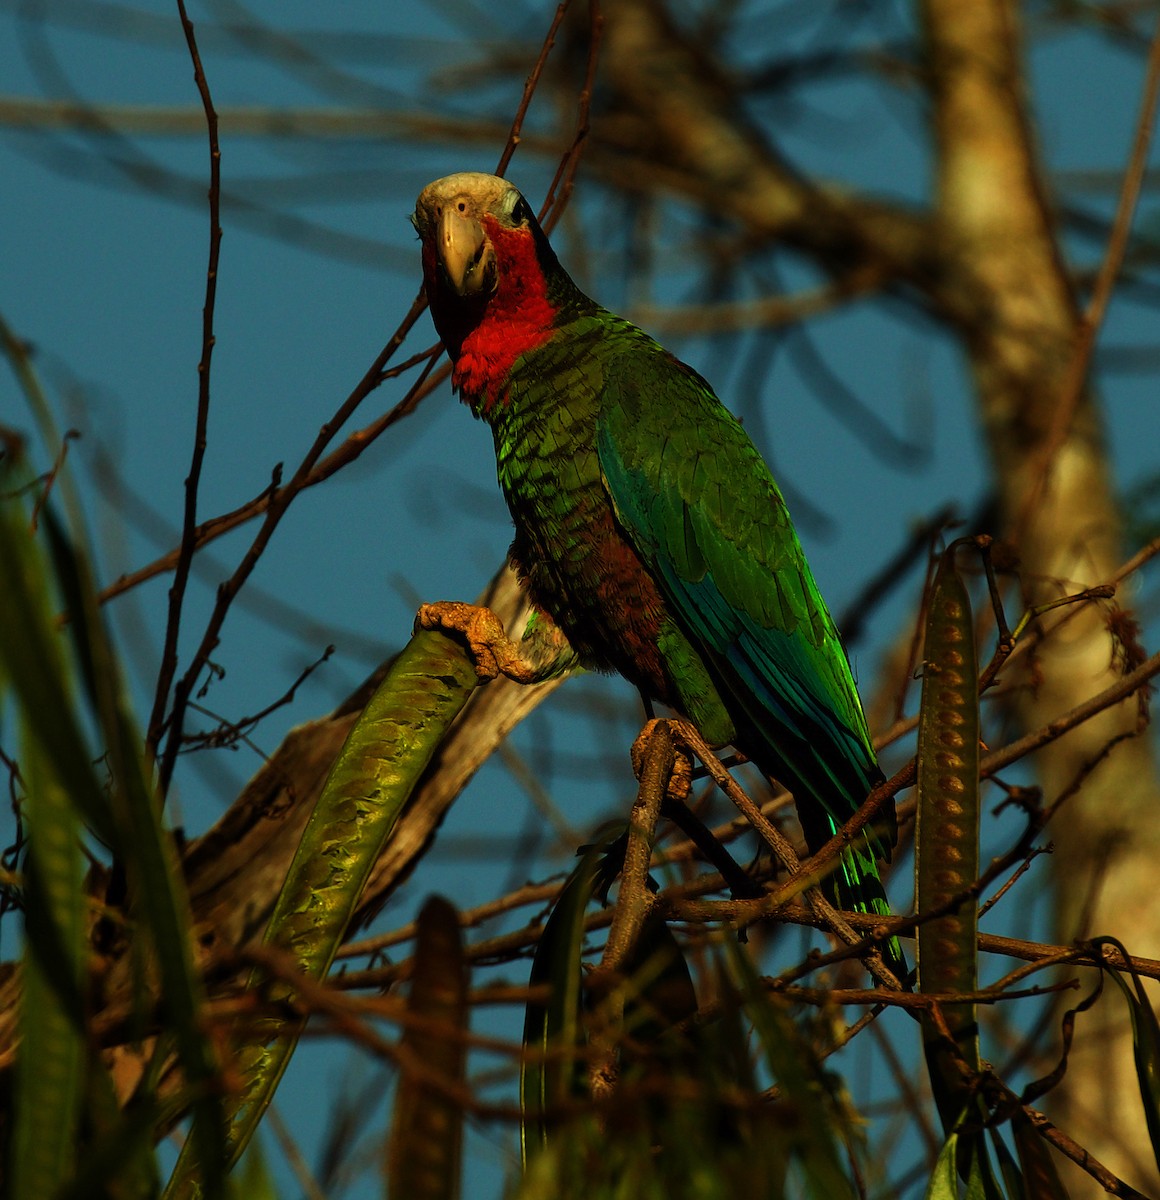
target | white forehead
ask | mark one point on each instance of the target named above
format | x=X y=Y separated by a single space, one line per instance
x=488 y=191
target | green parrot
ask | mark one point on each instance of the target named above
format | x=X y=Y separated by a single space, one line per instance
x=647 y=525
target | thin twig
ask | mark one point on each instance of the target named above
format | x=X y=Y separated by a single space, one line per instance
x=997 y=760
x=1111 y=1183
x=279 y=501
x=801 y=876
x=991 y=763
x=177 y=589
x=633 y=904
x=634 y=900
x=530 y=85
x=675 y=904
x=343 y=456
x=50 y=477
x=565 y=177
x=229 y=732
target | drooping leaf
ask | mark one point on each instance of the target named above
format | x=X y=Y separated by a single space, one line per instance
x=551 y=1068
x=1145 y=1043
x=50 y=1071
x=123 y=811
x=144 y=848
x=965 y=1156
x=33 y=661
x=944 y=1183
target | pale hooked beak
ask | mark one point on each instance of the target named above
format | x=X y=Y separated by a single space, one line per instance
x=464 y=251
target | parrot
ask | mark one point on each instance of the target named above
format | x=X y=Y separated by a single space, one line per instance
x=648 y=527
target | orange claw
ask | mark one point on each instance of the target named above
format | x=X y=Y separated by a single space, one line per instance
x=491 y=650
x=680 y=783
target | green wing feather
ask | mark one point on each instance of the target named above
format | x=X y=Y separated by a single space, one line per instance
x=701 y=509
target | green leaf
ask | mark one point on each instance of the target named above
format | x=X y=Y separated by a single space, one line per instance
x=944 y=1184
x=50 y=1069
x=32 y=658
x=978 y=1174
x=125 y=811
x=1145 y=1043
x=423 y=1158
x=144 y=847
x=947 y=835
x=251 y=1180
x=550 y=1071
x=965 y=1156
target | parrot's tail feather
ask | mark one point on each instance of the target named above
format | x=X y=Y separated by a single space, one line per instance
x=855 y=887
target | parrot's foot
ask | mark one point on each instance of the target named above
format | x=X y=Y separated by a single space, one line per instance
x=491 y=650
x=676 y=808
x=681 y=780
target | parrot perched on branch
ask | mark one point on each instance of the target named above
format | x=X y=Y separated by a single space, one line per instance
x=647 y=526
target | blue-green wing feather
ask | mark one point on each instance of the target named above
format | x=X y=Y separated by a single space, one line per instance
x=703 y=512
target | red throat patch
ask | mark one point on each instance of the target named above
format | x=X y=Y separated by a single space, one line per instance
x=518 y=318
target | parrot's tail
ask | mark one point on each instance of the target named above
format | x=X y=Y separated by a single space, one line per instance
x=828 y=787
x=854 y=886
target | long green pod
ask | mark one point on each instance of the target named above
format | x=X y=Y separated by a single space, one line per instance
x=425 y=1146
x=947 y=833
x=377 y=769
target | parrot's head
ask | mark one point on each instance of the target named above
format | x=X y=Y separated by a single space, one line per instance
x=487 y=265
